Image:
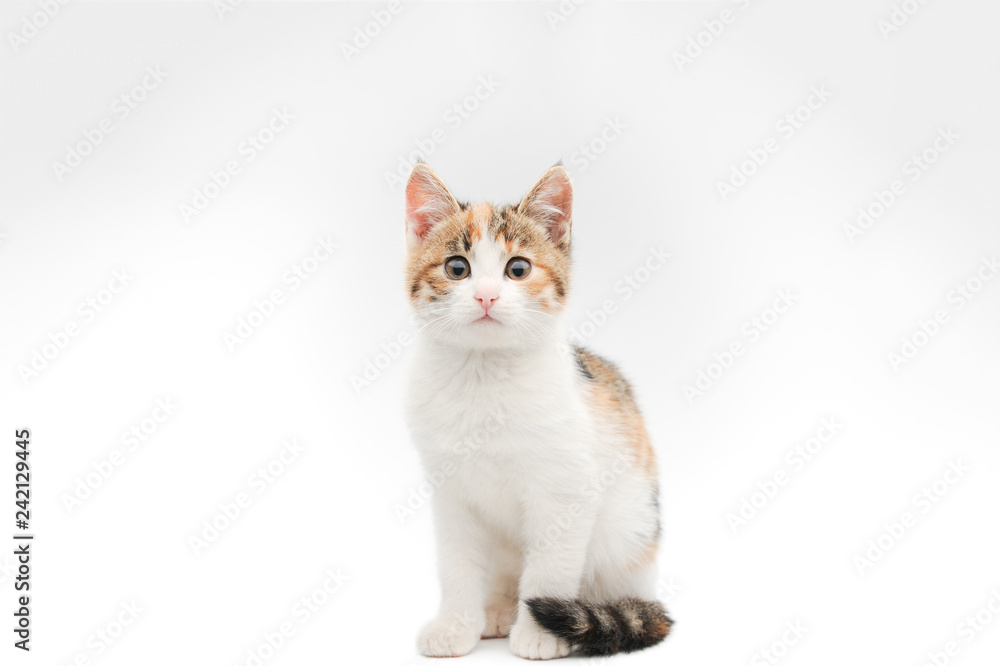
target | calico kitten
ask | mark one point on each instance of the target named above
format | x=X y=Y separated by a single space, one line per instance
x=547 y=520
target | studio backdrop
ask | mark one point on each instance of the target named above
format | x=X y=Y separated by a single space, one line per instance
x=785 y=233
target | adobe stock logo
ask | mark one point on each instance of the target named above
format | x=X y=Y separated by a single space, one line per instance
x=375 y=365
x=225 y=7
x=231 y=510
x=138 y=435
x=786 y=127
x=121 y=108
x=798 y=456
x=265 y=308
x=913 y=169
x=925 y=500
x=928 y=328
x=899 y=16
x=42 y=356
x=627 y=287
x=304 y=609
x=32 y=25
x=968 y=629
x=590 y=151
x=109 y=633
x=704 y=39
x=565 y=9
x=454 y=117
x=779 y=648
x=248 y=150
x=751 y=331
x=364 y=35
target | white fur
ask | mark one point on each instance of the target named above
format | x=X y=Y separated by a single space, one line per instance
x=541 y=497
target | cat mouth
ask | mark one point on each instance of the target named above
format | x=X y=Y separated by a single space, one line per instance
x=485 y=319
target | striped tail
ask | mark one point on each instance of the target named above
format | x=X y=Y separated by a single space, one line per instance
x=602 y=629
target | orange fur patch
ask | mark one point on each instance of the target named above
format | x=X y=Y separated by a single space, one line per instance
x=611 y=396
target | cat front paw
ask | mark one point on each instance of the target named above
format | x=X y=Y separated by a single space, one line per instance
x=530 y=641
x=448 y=637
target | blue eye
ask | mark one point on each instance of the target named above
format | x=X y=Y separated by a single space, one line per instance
x=518 y=268
x=457 y=268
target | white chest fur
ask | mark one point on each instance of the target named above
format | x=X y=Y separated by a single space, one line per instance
x=500 y=425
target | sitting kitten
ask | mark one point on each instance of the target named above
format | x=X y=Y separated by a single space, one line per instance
x=547 y=520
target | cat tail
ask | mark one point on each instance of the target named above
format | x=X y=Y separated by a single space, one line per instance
x=626 y=625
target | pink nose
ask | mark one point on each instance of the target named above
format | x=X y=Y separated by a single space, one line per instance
x=487 y=298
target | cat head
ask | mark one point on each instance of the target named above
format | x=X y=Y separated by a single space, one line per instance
x=481 y=275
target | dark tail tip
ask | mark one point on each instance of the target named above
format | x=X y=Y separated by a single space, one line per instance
x=626 y=625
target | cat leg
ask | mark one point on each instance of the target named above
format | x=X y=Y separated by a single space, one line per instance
x=501 y=609
x=557 y=533
x=463 y=565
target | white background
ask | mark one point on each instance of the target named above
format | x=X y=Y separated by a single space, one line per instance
x=655 y=184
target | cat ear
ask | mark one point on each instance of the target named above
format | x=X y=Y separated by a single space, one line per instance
x=428 y=202
x=550 y=203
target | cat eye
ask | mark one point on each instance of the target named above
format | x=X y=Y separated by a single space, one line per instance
x=457 y=268
x=518 y=268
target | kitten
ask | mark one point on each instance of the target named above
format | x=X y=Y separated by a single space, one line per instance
x=547 y=519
